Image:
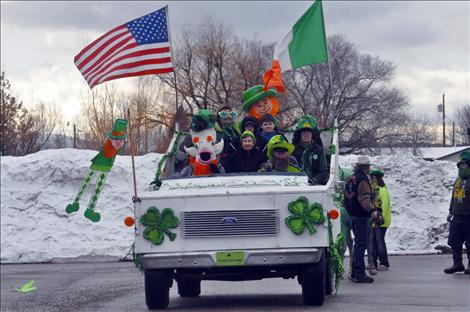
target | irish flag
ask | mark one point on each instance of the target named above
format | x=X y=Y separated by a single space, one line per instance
x=305 y=44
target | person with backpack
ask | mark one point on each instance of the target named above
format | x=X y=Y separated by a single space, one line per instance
x=459 y=216
x=358 y=201
x=378 y=247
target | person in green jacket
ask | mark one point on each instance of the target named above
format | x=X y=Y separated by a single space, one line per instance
x=344 y=174
x=101 y=165
x=309 y=150
x=279 y=151
x=378 y=247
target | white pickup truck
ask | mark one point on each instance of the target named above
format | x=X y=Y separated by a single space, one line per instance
x=236 y=227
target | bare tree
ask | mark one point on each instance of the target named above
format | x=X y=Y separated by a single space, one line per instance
x=214 y=67
x=360 y=94
x=462 y=118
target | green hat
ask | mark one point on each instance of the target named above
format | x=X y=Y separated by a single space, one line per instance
x=306 y=122
x=254 y=94
x=248 y=133
x=376 y=172
x=119 y=130
x=278 y=141
x=203 y=120
x=464 y=157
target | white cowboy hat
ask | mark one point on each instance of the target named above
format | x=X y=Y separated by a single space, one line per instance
x=363 y=160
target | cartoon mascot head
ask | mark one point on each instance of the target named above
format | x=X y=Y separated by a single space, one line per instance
x=203 y=135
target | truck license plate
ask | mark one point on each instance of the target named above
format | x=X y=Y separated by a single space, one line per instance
x=230 y=258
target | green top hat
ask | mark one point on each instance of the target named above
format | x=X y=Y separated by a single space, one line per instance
x=278 y=141
x=203 y=120
x=306 y=122
x=254 y=94
x=464 y=157
x=377 y=173
x=119 y=130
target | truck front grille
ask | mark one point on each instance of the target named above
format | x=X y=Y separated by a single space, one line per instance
x=261 y=222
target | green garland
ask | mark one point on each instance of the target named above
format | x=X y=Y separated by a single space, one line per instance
x=336 y=256
x=158 y=182
x=137 y=259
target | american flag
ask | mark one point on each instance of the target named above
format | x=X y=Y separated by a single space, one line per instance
x=139 y=47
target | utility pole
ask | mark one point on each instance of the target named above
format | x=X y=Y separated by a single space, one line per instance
x=74 y=135
x=453 y=133
x=443 y=120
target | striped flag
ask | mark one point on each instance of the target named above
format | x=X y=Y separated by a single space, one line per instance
x=139 y=47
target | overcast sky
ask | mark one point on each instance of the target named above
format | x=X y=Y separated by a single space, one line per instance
x=428 y=41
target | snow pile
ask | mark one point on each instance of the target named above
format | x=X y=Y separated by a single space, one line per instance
x=420 y=193
x=35 y=190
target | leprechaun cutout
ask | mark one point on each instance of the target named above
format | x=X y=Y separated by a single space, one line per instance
x=101 y=165
x=263 y=99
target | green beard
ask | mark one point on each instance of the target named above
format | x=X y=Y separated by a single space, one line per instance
x=464 y=173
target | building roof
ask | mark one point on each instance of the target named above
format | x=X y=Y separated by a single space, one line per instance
x=436 y=153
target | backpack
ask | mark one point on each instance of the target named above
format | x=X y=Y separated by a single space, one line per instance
x=351 y=201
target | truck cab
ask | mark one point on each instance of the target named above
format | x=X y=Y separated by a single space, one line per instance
x=235 y=227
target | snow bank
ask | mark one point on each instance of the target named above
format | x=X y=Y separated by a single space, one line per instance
x=35 y=190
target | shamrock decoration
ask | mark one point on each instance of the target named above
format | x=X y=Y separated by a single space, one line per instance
x=26 y=288
x=304 y=215
x=157 y=224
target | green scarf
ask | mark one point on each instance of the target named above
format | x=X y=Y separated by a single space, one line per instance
x=464 y=173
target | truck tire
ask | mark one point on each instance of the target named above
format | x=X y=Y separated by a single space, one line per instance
x=189 y=288
x=157 y=289
x=314 y=283
x=329 y=278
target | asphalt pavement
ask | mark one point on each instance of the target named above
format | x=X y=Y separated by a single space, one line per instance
x=414 y=283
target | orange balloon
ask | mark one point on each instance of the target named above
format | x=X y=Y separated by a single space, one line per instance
x=333 y=214
x=129 y=221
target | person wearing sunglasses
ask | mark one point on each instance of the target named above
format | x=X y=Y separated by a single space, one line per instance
x=227 y=129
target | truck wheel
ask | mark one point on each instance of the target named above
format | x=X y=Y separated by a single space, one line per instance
x=329 y=278
x=314 y=283
x=157 y=289
x=189 y=288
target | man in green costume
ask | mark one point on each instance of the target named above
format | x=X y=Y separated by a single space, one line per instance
x=279 y=151
x=101 y=165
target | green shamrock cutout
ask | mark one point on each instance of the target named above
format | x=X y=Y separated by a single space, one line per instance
x=157 y=224
x=26 y=288
x=304 y=215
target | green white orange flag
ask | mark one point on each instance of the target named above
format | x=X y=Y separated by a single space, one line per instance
x=305 y=43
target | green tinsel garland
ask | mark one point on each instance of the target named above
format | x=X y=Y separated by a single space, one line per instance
x=158 y=182
x=137 y=259
x=336 y=256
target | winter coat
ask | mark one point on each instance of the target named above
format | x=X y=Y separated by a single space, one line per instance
x=358 y=197
x=313 y=163
x=262 y=141
x=246 y=161
x=460 y=201
x=229 y=134
x=292 y=167
x=385 y=200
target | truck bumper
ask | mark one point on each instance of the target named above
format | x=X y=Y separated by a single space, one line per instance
x=207 y=259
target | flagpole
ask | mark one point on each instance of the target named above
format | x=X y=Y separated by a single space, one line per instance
x=131 y=141
x=174 y=71
x=335 y=121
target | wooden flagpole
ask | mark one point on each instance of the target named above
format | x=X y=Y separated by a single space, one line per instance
x=132 y=150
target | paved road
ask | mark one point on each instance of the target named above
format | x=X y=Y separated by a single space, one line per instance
x=414 y=283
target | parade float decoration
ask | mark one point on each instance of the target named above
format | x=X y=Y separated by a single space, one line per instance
x=100 y=167
x=203 y=153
